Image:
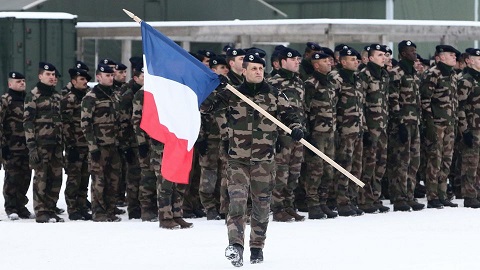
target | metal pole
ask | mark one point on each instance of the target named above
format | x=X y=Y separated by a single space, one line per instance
x=475 y=43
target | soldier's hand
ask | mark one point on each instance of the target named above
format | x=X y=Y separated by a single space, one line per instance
x=297 y=134
x=403 y=133
x=202 y=147
x=72 y=154
x=468 y=138
x=143 y=150
x=223 y=80
x=34 y=159
x=367 y=139
x=6 y=155
x=129 y=155
x=95 y=155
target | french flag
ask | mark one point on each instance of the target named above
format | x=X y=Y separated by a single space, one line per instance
x=175 y=85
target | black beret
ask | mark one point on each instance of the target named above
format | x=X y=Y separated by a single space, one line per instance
x=289 y=53
x=377 y=47
x=318 y=56
x=394 y=62
x=227 y=47
x=57 y=73
x=419 y=57
x=81 y=65
x=139 y=67
x=279 y=47
x=314 y=46
x=79 y=72
x=406 y=43
x=15 y=75
x=217 y=60
x=366 y=48
x=107 y=61
x=134 y=60
x=206 y=53
x=348 y=52
x=46 y=66
x=235 y=52
x=473 y=52
x=446 y=48
x=340 y=47
x=104 y=68
x=253 y=58
x=120 y=66
x=256 y=51
x=387 y=49
x=328 y=51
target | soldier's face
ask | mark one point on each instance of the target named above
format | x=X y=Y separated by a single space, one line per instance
x=322 y=65
x=140 y=79
x=80 y=83
x=220 y=70
x=236 y=64
x=291 y=64
x=410 y=54
x=253 y=73
x=475 y=62
x=105 y=79
x=378 y=57
x=205 y=61
x=120 y=75
x=419 y=67
x=349 y=62
x=332 y=61
x=17 y=84
x=448 y=58
x=47 y=77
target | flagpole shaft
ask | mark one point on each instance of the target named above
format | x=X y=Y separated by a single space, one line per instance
x=288 y=130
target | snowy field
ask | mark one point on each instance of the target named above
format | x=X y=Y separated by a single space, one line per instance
x=429 y=239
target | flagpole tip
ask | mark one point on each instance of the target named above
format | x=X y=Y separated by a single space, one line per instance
x=131 y=15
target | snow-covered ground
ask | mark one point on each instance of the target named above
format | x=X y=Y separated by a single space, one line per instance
x=429 y=239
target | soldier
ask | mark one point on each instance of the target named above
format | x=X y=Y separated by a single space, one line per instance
x=14 y=151
x=43 y=132
x=364 y=56
x=251 y=158
x=321 y=106
x=350 y=121
x=204 y=56
x=100 y=125
x=469 y=128
x=120 y=76
x=68 y=86
x=306 y=67
x=289 y=156
x=439 y=105
x=404 y=133
x=76 y=147
x=374 y=79
x=235 y=60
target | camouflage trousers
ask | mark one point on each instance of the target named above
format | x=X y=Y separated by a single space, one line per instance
x=348 y=154
x=170 y=195
x=289 y=162
x=258 y=180
x=148 y=186
x=47 y=181
x=224 y=199
x=17 y=181
x=210 y=170
x=78 y=177
x=105 y=177
x=403 y=162
x=439 y=158
x=319 y=175
x=122 y=183
x=191 y=200
x=133 y=183
x=374 y=167
x=470 y=167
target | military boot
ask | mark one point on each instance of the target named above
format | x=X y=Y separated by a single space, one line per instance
x=368 y=208
x=344 y=210
x=416 y=206
x=183 y=224
x=315 y=212
x=25 y=214
x=59 y=211
x=448 y=203
x=212 y=214
x=43 y=218
x=256 y=255
x=234 y=253
x=328 y=211
x=294 y=214
x=435 y=204
x=119 y=211
x=401 y=206
x=358 y=211
x=149 y=216
x=169 y=224
x=381 y=208
x=471 y=203
x=57 y=218
x=282 y=216
x=75 y=216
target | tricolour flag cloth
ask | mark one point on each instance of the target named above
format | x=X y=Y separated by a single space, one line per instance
x=175 y=85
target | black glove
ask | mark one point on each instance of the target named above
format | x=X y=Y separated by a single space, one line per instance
x=129 y=155
x=468 y=139
x=226 y=145
x=95 y=155
x=223 y=80
x=73 y=154
x=6 y=155
x=202 y=147
x=143 y=150
x=367 y=139
x=403 y=133
x=297 y=134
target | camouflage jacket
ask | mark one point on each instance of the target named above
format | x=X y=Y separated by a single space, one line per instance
x=321 y=103
x=293 y=87
x=100 y=119
x=235 y=79
x=374 y=80
x=469 y=101
x=140 y=135
x=42 y=116
x=213 y=120
x=12 y=132
x=438 y=93
x=252 y=136
x=127 y=136
x=404 y=95
x=306 y=69
x=350 y=99
x=71 y=113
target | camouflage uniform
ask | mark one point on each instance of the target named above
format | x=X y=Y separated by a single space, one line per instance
x=350 y=123
x=374 y=80
x=122 y=183
x=76 y=167
x=405 y=110
x=100 y=125
x=15 y=156
x=289 y=159
x=321 y=106
x=439 y=102
x=148 y=180
x=468 y=122
x=43 y=133
x=129 y=148
x=306 y=69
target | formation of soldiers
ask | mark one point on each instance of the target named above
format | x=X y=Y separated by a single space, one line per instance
x=395 y=125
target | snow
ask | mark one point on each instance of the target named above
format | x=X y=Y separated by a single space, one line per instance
x=429 y=239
